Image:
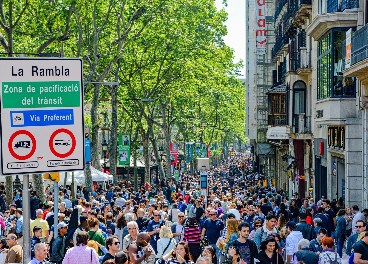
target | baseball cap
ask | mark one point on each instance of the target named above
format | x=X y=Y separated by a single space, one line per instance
x=291 y=224
x=231 y=216
x=13 y=205
x=61 y=225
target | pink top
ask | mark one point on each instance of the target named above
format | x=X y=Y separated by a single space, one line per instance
x=81 y=254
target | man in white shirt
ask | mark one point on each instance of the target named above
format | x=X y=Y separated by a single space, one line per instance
x=292 y=241
x=120 y=201
x=357 y=216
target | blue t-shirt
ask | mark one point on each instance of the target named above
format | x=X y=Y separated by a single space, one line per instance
x=213 y=230
x=152 y=226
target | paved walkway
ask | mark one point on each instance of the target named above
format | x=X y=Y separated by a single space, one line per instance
x=345 y=259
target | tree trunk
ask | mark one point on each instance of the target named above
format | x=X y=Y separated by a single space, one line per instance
x=95 y=157
x=146 y=157
x=72 y=186
x=135 y=171
x=65 y=179
x=114 y=134
x=157 y=156
x=9 y=190
x=39 y=186
x=166 y=130
x=88 y=175
x=168 y=156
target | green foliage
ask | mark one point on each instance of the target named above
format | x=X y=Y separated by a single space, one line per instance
x=170 y=51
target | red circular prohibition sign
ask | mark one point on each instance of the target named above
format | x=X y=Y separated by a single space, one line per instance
x=10 y=145
x=51 y=141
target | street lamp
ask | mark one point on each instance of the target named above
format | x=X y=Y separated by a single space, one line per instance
x=161 y=152
x=104 y=150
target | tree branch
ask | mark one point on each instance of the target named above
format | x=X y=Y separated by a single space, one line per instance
x=20 y=15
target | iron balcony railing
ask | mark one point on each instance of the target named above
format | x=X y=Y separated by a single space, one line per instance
x=279 y=6
x=280 y=42
x=348 y=4
x=335 y=6
x=332 y=6
x=359 y=45
x=277 y=119
x=302 y=124
x=304 y=2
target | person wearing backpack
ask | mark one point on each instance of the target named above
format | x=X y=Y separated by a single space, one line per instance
x=110 y=226
x=166 y=243
x=328 y=255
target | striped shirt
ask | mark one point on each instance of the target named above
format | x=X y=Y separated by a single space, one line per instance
x=192 y=235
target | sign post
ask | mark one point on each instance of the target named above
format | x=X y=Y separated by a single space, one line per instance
x=42 y=122
x=124 y=149
x=26 y=216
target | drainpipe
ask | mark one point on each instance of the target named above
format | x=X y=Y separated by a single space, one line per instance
x=363 y=135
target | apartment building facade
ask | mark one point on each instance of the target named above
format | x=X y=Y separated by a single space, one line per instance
x=317 y=117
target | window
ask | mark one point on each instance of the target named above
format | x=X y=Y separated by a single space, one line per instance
x=278 y=115
x=279 y=104
x=299 y=97
x=324 y=67
x=330 y=80
x=299 y=104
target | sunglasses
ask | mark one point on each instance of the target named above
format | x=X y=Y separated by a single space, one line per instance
x=358 y=226
x=116 y=243
x=258 y=225
x=132 y=228
x=212 y=214
x=181 y=216
x=156 y=215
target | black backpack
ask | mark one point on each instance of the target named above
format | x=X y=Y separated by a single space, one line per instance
x=335 y=261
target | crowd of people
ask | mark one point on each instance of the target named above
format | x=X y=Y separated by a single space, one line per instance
x=240 y=220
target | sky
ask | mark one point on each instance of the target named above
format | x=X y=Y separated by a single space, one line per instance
x=235 y=37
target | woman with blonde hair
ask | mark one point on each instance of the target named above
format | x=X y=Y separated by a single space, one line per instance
x=281 y=222
x=166 y=243
x=232 y=232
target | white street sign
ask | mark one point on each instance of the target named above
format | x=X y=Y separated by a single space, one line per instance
x=42 y=122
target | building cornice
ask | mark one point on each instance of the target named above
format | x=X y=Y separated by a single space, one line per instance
x=322 y=23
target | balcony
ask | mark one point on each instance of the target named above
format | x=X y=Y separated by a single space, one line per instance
x=280 y=46
x=277 y=119
x=332 y=6
x=279 y=6
x=304 y=11
x=359 y=45
x=349 y=4
x=302 y=124
x=359 y=56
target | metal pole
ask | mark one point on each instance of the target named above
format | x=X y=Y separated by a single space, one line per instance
x=26 y=222
x=56 y=209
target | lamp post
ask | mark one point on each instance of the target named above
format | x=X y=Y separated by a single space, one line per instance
x=104 y=150
x=17 y=185
x=161 y=152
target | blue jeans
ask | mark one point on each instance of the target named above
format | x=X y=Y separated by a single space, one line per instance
x=340 y=245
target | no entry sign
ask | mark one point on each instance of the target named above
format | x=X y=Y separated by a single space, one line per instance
x=42 y=128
